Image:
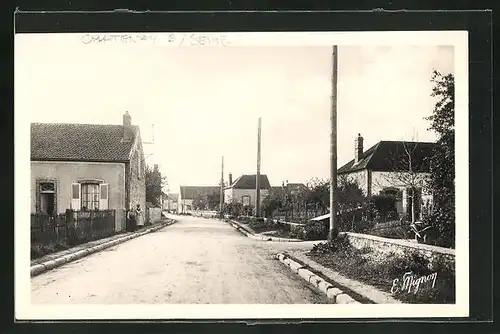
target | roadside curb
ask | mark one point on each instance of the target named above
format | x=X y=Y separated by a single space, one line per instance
x=333 y=293
x=243 y=231
x=40 y=268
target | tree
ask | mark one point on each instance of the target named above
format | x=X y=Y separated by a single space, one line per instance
x=441 y=182
x=350 y=194
x=155 y=183
x=407 y=167
x=199 y=201
x=319 y=195
x=272 y=202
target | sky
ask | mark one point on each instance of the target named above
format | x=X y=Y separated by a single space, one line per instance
x=205 y=102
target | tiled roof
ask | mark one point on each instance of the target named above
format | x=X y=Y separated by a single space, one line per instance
x=250 y=182
x=79 y=142
x=172 y=197
x=387 y=156
x=190 y=192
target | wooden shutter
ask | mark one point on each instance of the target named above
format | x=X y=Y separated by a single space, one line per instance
x=75 y=196
x=103 y=199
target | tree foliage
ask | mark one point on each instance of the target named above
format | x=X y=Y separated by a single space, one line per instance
x=155 y=183
x=441 y=182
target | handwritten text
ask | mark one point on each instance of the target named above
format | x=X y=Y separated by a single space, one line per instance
x=412 y=282
x=192 y=40
x=113 y=38
x=160 y=40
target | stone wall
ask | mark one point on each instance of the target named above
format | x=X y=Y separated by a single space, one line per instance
x=154 y=215
x=386 y=246
x=136 y=177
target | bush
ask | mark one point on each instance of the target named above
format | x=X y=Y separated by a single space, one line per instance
x=443 y=220
x=258 y=225
x=384 y=204
x=341 y=244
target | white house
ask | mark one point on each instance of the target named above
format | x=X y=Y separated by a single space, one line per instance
x=244 y=189
x=170 y=202
x=385 y=169
x=188 y=194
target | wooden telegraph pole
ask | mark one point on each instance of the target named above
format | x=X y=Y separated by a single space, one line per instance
x=221 y=204
x=333 y=233
x=257 y=181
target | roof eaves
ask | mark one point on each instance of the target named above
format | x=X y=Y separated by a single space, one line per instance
x=78 y=160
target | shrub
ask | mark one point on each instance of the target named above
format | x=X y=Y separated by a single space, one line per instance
x=340 y=245
x=315 y=231
x=444 y=221
x=258 y=225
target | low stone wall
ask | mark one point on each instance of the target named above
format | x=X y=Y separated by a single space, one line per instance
x=154 y=215
x=386 y=246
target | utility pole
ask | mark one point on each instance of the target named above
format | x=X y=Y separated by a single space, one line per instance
x=222 y=189
x=257 y=181
x=333 y=233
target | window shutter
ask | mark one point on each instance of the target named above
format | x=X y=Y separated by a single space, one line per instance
x=75 y=196
x=104 y=191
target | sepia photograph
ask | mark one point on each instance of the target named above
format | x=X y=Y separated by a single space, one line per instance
x=259 y=175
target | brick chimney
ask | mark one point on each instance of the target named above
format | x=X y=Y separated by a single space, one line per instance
x=230 y=179
x=127 y=127
x=358 y=148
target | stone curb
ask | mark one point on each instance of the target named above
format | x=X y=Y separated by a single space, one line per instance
x=51 y=264
x=240 y=229
x=335 y=294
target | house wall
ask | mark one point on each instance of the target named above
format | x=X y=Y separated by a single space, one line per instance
x=361 y=177
x=169 y=205
x=237 y=194
x=185 y=205
x=137 y=178
x=381 y=180
x=372 y=183
x=66 y=173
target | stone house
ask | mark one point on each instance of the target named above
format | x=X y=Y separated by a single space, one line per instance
x=188 y=195
x=170 y=202
x=87 y=167
x=244 y=189
x=385 y=169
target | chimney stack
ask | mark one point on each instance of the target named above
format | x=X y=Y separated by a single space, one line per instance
x=127 y=127
x=230 y=179
x=358 y=148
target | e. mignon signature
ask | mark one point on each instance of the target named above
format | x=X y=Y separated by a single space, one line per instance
x=410 y=282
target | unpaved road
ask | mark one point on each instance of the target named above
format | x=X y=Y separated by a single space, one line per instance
x=193 y=261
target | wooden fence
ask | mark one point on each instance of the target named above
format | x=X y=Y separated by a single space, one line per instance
x=72 y=227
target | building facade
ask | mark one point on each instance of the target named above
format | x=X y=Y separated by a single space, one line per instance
x=244 y=189
x=87 y=167
x=392 y=168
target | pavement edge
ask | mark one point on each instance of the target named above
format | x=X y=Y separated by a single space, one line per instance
x=243 y=231
x=40 y=268
x=335 y=294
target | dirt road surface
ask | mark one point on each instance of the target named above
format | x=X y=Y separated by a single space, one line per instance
x=195 y=261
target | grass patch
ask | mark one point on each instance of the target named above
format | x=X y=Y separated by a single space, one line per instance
x=381 y=271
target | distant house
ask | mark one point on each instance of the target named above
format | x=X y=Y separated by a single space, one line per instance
x=384 y=169
x=244 y=189
x=87 y=167
x=188 y=195
x=170 y=202
x=290 y=188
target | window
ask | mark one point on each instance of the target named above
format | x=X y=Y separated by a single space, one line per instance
x=46 y=201
x=245 y=200
x=89 y=196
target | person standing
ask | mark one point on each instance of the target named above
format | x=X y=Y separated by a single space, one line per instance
x=139 y=217
x=131 y=223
